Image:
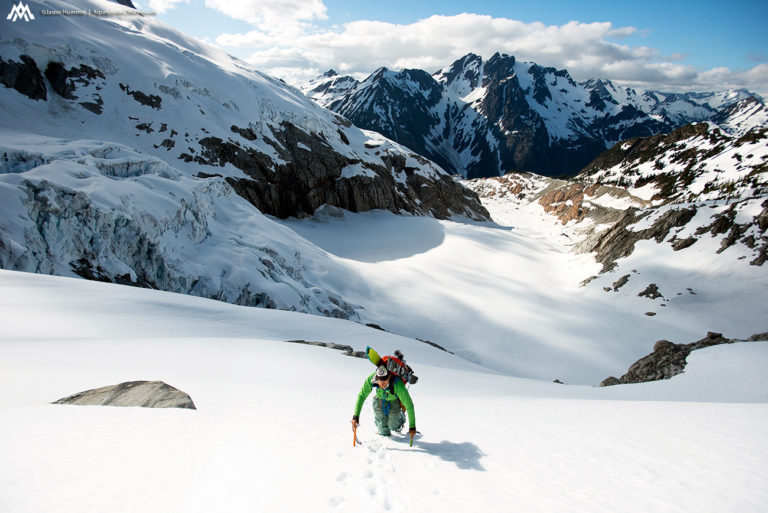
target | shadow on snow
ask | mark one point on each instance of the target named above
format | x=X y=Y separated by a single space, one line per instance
x=465 y=455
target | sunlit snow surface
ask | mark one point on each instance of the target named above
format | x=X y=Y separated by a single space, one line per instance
x=509 y=295
x=271 y=431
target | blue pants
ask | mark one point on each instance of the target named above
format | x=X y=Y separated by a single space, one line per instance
x=388 y=416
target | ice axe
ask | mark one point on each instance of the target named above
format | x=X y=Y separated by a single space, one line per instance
x=355 y=441
x=413 y=435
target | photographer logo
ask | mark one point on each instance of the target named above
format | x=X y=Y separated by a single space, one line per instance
x=20 y=11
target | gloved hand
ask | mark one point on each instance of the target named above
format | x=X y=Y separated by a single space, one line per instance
x=412 y=432
x=355 y=421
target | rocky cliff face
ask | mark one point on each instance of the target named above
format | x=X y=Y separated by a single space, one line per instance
x=487 y=117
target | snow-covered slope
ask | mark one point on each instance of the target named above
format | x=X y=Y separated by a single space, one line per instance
x=743 y=116
x=266 y=427
x=486 y=117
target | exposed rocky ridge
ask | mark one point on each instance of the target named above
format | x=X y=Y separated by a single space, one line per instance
x=619 y=241
x=697 y=152
x=679 y=171
x=741 y=117
x=585 y=205
x=569 y=201
x=669 y=359
x=24 y=76
x=144 y=394
x=484 y=118
x=311 y=176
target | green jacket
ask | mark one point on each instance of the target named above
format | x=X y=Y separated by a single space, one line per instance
x=396 y=390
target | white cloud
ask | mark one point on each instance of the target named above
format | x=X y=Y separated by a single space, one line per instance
x=269 y=14
x=296 y=49
x=165 y=5
x=755 y=78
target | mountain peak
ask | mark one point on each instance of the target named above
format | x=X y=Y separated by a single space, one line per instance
x=500 y=66
x=330 y=73
x=742 y=116
x=463 y=75
x=467 y=60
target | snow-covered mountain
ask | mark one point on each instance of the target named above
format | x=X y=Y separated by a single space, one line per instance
x=486 y=117
x=135 y=154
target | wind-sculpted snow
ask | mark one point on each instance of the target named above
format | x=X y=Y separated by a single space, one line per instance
x=132 y=219
x=110 y=159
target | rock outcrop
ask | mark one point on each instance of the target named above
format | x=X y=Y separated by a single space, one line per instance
x=347 y=350
x=619 y=241
x=669 y=359
x=144 y=394
x=312 y=174
x=697 y=170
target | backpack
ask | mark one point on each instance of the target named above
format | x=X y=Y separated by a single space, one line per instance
x=394 y=364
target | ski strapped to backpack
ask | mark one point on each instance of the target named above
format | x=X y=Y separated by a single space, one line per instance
x=394 y=364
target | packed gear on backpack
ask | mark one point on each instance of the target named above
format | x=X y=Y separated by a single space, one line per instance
x=394 y=364
x=392 y=399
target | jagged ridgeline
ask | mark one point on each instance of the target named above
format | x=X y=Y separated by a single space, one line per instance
x=483 y=118
x=132 y=153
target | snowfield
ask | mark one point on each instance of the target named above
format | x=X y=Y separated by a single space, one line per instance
x=271 y=432
x=508 y=296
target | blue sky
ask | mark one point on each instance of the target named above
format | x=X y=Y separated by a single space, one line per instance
x=710 y=33
x=669 y=45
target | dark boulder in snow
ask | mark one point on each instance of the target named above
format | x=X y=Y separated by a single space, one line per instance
x=610 y=381
x=651 y=292
x=669 y=359
x=145 y=394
